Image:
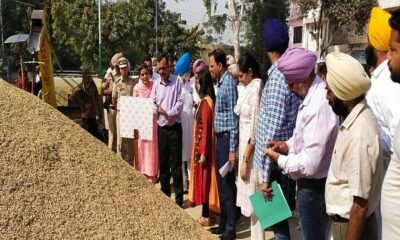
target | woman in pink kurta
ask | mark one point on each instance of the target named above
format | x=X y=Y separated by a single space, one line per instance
x=147 y=162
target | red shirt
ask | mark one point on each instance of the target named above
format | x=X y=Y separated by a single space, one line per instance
x=28 y=85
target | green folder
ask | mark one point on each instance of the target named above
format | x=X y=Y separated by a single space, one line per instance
x=270 y=212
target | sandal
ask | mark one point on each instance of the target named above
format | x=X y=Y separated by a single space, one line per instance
x=204 y=222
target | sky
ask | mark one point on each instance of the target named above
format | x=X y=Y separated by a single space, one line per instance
x=194 y=12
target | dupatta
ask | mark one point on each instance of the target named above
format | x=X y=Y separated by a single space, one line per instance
x=213 y=197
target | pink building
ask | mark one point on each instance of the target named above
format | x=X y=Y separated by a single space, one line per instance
x=300 y=32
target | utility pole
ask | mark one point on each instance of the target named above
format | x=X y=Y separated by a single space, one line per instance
x=2 y=32
x=156 y=27
x=100 y=70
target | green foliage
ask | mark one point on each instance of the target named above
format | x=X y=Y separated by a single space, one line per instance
x=352 y=14
x=216 y=25
x=257 y=12
x=127 y=26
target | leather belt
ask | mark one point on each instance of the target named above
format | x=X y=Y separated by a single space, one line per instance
x=337 y=218
x=222 y=134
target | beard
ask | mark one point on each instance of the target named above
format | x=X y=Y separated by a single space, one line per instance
x=370 y=56
x=338 y=107
x=394 y=75
x=301 y=92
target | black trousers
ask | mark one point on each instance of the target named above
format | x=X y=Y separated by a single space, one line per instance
x=226 y=186
x=90 y=125
x=170 y=159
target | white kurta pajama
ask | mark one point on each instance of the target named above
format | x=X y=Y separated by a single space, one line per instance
x=390 y=200
x=187 y=120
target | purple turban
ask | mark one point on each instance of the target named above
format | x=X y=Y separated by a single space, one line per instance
x=199 y=65
x=297 y=64
x=275 y=35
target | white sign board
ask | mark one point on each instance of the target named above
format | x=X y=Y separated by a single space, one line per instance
x=136 y=113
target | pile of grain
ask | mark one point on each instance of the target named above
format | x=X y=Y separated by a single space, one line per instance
x=58 y=182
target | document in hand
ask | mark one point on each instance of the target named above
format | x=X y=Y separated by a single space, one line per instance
x=270 y=212
x=225 y=169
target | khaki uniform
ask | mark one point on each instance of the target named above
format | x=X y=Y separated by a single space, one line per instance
x=124 y=145
x=111 y=114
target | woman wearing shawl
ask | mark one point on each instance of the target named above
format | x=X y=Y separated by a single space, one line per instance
x=86 y=96
x=203 y=180
x=247 y=110
x=147 y=162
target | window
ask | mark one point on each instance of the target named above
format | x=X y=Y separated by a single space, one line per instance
x=298 y=34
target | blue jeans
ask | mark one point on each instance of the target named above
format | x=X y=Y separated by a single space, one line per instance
x=281 y=229
x=314 y=222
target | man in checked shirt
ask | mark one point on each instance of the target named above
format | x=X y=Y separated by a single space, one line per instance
x=226 y=128
x=277 y=116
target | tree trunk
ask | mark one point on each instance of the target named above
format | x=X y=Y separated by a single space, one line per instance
x=236 y=40
x=236 y=21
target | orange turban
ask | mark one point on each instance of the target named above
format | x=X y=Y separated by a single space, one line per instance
x=379 y=29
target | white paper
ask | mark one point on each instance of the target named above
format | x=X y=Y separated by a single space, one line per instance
x=136 y=113
x=225 y=169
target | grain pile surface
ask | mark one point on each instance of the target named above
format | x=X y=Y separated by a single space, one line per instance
x=58 y=182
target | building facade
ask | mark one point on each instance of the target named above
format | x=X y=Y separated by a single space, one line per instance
x=302 y=32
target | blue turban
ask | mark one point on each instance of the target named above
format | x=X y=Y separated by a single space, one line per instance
x=183 y=64
x=275 y=35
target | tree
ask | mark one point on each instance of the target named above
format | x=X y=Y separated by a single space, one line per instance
x=216 y=24
x=125 y=26
x=235 y=17
x=352 y=15
x=257 y=13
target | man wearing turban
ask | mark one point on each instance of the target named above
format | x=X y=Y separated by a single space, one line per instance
x=391 y=185
x=354 y=180
x=276 y=117
x=306 y=156
x=384 y=95
x=182 y=69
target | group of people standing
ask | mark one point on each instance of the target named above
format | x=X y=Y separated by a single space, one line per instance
x=328 y=138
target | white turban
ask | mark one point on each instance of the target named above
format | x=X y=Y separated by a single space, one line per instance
x=346 y=77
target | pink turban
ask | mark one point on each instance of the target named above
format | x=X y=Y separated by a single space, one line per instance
x=297 y=64
x=198 y=65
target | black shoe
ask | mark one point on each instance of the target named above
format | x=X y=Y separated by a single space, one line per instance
x=217 y=230
x=228 y=235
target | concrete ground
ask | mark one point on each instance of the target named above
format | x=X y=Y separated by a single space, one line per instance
x=243 y=224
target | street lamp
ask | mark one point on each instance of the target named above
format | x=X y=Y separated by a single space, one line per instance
x=156 y=23
x=100 y=70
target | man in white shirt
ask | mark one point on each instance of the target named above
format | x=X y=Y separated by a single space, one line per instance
x=384 y=95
